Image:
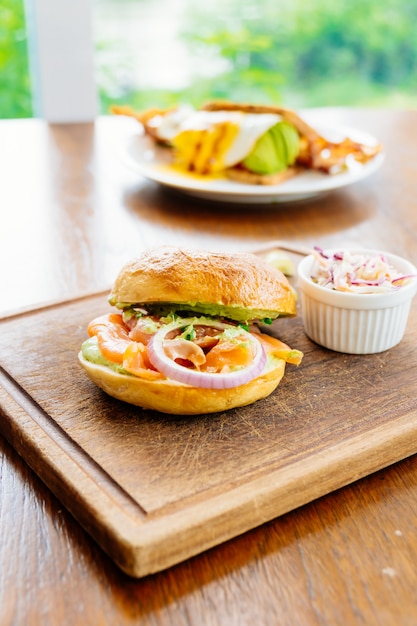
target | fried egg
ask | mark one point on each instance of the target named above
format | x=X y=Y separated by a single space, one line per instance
x=207 y=142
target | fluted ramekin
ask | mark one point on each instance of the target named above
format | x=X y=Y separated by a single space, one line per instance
x=355 y=323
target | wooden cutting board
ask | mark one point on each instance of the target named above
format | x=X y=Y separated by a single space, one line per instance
x=153 y=489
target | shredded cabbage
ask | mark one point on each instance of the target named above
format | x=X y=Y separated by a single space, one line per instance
x=357 y=273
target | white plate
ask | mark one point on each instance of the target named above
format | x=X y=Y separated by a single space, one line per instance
x=153 y=162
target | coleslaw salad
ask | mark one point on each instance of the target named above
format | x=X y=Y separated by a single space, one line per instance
x=356 y=301
x=357 y=272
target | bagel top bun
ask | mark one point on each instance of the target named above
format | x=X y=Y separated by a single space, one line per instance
x=238 y=286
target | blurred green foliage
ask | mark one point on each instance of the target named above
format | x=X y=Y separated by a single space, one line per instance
x=300 y=52
x=15 y=88
x=320 y=52
x=296 y=52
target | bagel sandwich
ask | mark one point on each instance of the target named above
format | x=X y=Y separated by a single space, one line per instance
x=185 y=333
x=248 y=143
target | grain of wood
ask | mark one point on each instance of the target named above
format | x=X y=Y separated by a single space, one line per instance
x=346 y=558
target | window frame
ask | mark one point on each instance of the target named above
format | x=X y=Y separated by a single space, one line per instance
x=61 y=60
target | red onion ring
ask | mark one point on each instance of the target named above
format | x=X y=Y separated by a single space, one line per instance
x=195 y=378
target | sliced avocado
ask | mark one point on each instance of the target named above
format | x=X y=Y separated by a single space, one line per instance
x=292 y=141
x=238 y=314
x=264 y=158
x=280 y=144
x=275 y=150
x=212 y=310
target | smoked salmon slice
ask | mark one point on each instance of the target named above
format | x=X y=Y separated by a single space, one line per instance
x=112 y=336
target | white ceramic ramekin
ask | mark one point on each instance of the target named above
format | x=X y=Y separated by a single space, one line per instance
x=355 y=323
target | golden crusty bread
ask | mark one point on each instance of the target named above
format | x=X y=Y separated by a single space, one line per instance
x=143 y=117
x=198 y=278
x=288 y=115
x=168 y=396
x=307 y=133
x=242 y=175
x=316 y=152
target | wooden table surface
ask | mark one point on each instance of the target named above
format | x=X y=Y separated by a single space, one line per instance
x=71 y=214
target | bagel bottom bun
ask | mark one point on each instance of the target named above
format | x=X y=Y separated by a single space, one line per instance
x=167 y=396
